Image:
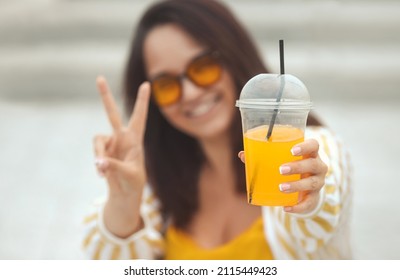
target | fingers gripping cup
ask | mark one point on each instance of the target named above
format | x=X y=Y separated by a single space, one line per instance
x=274 y=110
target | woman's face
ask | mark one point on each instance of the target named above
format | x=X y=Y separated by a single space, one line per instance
x=200 y=112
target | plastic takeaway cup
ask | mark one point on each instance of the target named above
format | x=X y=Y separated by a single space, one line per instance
x=274 y=110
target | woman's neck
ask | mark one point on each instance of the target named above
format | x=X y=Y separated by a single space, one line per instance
x=218 y=153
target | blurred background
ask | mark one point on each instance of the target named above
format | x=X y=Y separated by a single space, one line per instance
x=346 y=52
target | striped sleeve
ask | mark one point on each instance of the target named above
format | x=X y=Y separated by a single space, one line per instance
x=307 y=236
x=147 y=243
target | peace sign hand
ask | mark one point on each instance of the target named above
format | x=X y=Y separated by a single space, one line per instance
x=120 y=156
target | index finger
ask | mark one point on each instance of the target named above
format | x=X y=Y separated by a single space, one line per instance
x=138 y=118
x=308 y=148
x=109 y=103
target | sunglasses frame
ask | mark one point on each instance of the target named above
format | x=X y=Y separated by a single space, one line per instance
x=214 y=54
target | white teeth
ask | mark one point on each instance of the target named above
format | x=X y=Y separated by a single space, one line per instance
x=202 y=108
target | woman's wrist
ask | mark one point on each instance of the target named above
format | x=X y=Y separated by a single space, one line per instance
x=121 y=215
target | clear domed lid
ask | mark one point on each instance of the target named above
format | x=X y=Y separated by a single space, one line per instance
x=272 y=91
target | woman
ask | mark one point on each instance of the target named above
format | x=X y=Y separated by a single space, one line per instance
x=176 y=186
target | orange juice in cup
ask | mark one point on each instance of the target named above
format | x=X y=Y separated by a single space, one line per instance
x=271 y=127
x=263 y=159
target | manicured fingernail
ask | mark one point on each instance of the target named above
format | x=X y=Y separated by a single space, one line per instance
x=98 y=161
x=284 y=187
x=296 y=151
x=101 y=163
x=288 y=209
x=284 y=169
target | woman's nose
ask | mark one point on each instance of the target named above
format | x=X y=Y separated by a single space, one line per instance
x=190 y=91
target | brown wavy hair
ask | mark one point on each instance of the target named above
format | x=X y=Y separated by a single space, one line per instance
x=173 y=158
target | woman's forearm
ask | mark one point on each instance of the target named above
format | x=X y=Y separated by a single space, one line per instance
x=122 y=215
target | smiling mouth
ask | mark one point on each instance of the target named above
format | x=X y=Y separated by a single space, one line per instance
x=203 y=108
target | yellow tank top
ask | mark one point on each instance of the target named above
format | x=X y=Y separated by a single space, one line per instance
x=249 y=245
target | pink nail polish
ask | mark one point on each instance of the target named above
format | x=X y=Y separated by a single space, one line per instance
x=296 y=151
x=288 y=209
x=98 y=161
x=284 y=187
x=101 y=163
x=284 y=169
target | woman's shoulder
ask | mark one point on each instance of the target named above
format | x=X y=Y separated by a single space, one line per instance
x=318 y=131
x=332 y=151
x=326 y=137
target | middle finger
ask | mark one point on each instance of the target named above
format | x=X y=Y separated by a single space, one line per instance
x=312 y=183
x=138 y=118
x=309 y=165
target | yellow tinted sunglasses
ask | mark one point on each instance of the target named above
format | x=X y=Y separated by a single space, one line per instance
x=204 y=70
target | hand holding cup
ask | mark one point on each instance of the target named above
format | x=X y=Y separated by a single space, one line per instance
x=312 y=170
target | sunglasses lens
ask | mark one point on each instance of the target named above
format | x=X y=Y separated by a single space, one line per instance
x=166 y=90
x=205 y=70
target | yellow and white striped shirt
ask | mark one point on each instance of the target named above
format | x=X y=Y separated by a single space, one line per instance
x=322 y=234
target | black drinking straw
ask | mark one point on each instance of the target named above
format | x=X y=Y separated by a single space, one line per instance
x=282 y=86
